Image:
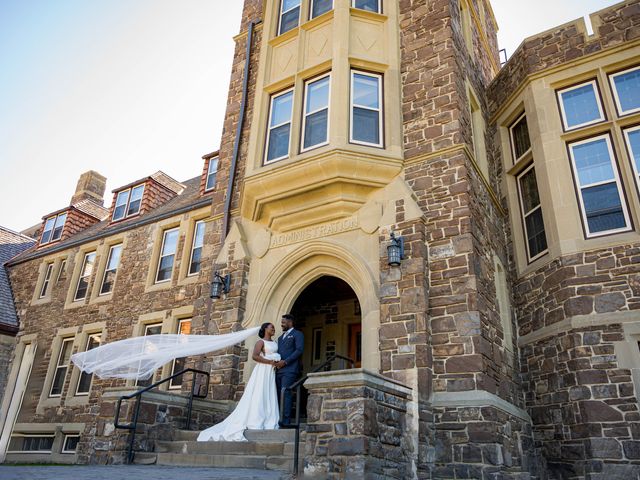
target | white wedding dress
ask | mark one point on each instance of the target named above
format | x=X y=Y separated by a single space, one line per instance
x=258 y=407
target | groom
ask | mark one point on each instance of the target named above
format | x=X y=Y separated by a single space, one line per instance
x=290 y=348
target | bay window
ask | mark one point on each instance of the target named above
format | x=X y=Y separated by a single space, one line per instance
x=531 y=211
x=289 y=15
x=315 y=122
x=626 y=90
x=599 y=189
x=580 y=105
x=279 y=133
x=366 y=109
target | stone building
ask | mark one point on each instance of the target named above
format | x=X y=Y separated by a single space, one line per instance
x=11 y=245
x=503 y=344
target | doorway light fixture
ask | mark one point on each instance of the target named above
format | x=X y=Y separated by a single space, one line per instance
x=395 y=250
x=220 y=285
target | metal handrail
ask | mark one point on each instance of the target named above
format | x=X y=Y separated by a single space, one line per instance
x=133 y=426
x=298 y=387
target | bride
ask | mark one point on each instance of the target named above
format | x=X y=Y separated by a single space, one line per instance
x=258 y=407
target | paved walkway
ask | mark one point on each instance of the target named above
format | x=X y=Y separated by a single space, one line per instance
x=133 y=472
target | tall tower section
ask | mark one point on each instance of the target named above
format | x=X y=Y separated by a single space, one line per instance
x=365 y=120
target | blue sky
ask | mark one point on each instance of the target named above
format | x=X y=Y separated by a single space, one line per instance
x=129 y=87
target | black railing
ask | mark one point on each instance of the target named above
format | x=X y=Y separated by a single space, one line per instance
x=326 y=366
x=133 y=426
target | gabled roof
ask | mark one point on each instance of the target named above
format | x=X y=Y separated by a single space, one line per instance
x=160 y=177
x=92 y=208
x=189 y=199
x=11 y=245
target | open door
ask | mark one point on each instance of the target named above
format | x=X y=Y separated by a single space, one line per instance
x=13 y=399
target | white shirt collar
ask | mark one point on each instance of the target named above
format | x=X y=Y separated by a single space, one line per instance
x=287 y=333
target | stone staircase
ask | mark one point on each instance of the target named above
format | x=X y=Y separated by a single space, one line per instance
x=264 y=450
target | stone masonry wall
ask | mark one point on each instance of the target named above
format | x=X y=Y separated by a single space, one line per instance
x=599 y=281
x=584 y=408
x=356 y=430
x=463 y=226
x=130 y=300
x=481 y=442
x=612 y=26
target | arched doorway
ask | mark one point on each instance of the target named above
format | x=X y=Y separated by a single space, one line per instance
x=328 y=313
x=274 y=291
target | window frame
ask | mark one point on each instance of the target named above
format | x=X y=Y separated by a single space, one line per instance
x=524 y=215
x=47 y=281
x=61 y=270
x=616 y=178
x=379 y=10
x=107 y=270
x=172 y=371
x=267 y=142
x=53 y=228
x=381 y=126
x=64 y=442
x=305 y=114
x=81 y=276
x=516 y=159
x=212 y=161
x=161 y=256
x=614 y=91
x=147 y=326
x=312 y=3
x=193 y=247
x=32 y=435
x=127 y=204
x=281 y=13
x=90 y=336
x=563 y=117
x=58 y=367
x=630 y=153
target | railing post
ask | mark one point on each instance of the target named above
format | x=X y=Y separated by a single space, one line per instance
x=132 y=436
x=190 y=408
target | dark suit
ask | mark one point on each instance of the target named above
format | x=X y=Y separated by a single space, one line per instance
x=290 y=350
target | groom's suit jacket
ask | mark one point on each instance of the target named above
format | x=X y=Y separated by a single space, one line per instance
x=290 y=350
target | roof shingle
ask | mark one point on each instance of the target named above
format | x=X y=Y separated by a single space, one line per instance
x=11 y=245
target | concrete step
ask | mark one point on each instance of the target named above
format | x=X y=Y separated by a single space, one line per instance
x=264 y=436
x=145 y=458
x=225 y=448
x=261 y=462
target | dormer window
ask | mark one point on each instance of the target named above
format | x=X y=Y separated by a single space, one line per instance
x=211 y=174
x=128 y=202
x=53 y=228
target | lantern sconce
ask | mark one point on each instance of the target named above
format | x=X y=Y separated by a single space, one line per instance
x=220 y=285
x=395 y=251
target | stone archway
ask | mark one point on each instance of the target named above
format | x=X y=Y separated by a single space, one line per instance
x=278 y=291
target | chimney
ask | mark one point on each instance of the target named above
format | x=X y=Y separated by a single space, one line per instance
x=91 y=185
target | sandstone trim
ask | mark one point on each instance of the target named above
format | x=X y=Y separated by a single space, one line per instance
x=579 y=321
x=358 y=376
x=477 y=398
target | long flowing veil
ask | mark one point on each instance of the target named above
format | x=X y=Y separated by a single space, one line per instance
x=137 y=358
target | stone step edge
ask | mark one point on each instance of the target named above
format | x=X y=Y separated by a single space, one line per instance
x=262 y=462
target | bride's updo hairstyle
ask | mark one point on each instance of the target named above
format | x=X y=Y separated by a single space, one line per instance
x=263 y=329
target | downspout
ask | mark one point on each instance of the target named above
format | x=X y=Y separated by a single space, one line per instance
x=236 y=145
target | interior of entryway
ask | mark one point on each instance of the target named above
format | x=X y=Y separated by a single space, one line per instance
x=328 y=313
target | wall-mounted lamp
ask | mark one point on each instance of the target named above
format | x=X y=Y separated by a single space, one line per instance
x=220 y=285
x=395 y=251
